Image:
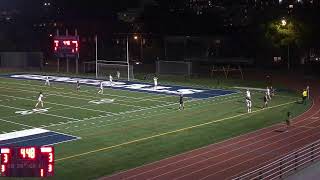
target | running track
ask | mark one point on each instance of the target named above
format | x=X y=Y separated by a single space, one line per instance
x=234 y=156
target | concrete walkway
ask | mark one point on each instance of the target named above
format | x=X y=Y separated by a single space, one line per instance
x=310 y=173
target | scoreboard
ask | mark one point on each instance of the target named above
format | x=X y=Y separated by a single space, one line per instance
x=66 y=46
x=27 y=161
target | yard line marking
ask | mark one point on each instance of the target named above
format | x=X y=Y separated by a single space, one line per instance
x=53 y=115
x=72 y=97
x=170 y=132
x=138 y=115
x=81 y=91
x=76 y=107
x=17 y=123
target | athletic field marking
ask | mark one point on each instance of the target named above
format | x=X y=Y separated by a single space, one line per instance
x=53 y=115
x=71 y=97
x=315 y=117
x=170 y=132
x=247 y=160
x=136 y=98
x=75 y=107
x=17 y=123
x=308 y=127
x=138 y=117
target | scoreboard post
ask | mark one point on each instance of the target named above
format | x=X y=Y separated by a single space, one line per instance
x=27 y=161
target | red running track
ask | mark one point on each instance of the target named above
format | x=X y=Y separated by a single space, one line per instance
x=237 y=155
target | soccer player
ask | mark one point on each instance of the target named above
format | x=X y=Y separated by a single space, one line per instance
x=47 y=83
x=118 y=75
x=272 y=91
x=288 y=120
x=249 y=104
x=268 y=94
x=181 y=103
x=248 y=94
x=155 y=81
x=39 y=100
x=265 y=100
x=78 y=86
x=101 y=88
x=304 y=96
x=110 y=79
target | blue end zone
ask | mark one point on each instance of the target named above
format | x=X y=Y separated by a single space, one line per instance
x=191 y=92
x=47 y=138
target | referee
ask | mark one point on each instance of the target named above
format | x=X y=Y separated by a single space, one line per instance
x=304 y=96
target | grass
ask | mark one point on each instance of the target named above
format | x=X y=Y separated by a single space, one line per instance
x=150 y=128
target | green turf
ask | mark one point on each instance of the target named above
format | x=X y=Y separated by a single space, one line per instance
x=136 y=129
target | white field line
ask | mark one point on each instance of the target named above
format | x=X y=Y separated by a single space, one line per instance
x=71 y=97
x=78 y=120
x=75 y=107
x=144 y=117
x=163 y=134
x=53 y=115
x=126 y=112
x=138 y=117
x=17 y=123
x=126 y=97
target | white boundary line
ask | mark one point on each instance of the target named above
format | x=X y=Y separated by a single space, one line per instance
x=64 y=83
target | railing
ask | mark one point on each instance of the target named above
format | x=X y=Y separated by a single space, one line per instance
x=286 y=165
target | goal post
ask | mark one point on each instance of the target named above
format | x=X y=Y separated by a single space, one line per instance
x=106 y=68
x=174 y=67
x=226 y=70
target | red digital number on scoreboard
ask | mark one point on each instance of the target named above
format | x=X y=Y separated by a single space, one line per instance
x=65 y=46
x=28 y=153
x=5 y=159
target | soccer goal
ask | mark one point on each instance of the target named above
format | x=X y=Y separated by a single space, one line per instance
x=114 y=68
x=226 y=70
x=174 y=67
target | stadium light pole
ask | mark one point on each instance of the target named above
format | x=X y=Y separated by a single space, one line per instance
x=283 y=24
x=141 y=46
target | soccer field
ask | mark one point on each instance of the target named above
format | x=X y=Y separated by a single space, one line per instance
x=100 y=134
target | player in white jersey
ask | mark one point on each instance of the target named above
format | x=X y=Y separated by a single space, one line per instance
x=249 y=104
x=101 y=88
x=110 y=79
x=47 y=83
x=155 y=81
x=268 y=93
x=40 y=101
x=118 y=75
x=248 y=94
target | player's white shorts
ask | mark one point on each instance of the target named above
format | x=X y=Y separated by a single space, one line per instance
x=249 y=104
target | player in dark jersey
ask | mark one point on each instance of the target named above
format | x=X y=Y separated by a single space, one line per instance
x=181 y=104
x=265 y=100
x=288 y=120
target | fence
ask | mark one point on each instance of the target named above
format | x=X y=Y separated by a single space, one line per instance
x=282 y=167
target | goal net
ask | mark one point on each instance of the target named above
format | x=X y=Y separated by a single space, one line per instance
x=114 y=68
x=174 y=67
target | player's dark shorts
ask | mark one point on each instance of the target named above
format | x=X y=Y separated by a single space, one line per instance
x=288 y=122
x=304 y=97
x=181 y=102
